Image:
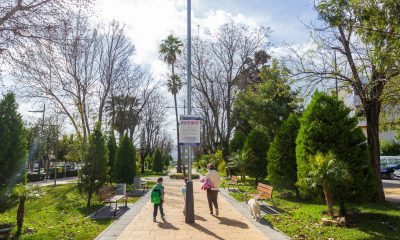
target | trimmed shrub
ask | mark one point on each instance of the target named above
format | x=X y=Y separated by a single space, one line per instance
x=181 y=176
x=390 y=148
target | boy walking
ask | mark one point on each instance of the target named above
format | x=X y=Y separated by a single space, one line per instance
x=157 y=198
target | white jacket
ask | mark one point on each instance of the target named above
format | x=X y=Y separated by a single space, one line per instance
x=214 y=177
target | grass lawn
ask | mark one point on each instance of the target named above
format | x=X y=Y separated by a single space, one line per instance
x=59 y=214
x=301 y=220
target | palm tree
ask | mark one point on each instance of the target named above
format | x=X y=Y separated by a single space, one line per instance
x=327 y=171
x=238 y=161
x=170 y=48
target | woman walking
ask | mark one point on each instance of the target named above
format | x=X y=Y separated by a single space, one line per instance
x=212 y=192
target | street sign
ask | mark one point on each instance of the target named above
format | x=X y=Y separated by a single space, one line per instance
x=189 y=129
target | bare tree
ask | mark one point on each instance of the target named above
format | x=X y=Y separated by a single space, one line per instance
x=218 y=64
x=24 y=20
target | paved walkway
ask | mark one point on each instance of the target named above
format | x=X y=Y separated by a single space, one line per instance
x=60 y=181
x=231 y=224
x=392 y=190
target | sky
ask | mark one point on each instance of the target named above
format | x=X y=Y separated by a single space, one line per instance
x=148 y=22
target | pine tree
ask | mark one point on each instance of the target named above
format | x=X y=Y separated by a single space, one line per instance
x=125 y=163
x=256 y=146
x=237 y=142
x=167 y=159
x=112 y=153
x=94 y=169
x=13 y=146
x=327 y=127
x=281 y=157
x=157 y=162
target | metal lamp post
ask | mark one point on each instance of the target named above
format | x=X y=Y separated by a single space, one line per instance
x=189 y=217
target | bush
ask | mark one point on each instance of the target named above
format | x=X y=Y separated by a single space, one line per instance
x=181 y=176
x=390 y=148
x=327 y=127
x=281 y=156
x=34 y=177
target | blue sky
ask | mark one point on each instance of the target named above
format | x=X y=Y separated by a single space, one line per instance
x=148 y=22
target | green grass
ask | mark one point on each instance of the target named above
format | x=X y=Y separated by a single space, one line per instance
x=59 y=214
x=301 y=219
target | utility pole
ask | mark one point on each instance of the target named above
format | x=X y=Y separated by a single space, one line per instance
x=43 y=114
x=189 y=217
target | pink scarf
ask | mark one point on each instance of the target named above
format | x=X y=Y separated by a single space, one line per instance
x=207 y=184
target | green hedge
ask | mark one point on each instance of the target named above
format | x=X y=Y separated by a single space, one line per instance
x=181 y=176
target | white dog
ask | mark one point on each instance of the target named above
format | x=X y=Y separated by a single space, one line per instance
x=254 y=207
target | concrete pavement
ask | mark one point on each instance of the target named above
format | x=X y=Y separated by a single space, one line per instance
x=230 y=224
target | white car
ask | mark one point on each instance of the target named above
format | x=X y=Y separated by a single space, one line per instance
x=397 y=174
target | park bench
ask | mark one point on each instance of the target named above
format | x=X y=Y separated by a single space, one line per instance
x=233 y=182
x=107 y=195
x=264 y=192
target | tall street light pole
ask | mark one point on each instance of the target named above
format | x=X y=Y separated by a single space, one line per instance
x=43 y=112
x=189 y=217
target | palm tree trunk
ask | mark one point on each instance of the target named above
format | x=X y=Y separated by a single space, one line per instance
x=20 y=214
x=328 y=199
x=179 y=168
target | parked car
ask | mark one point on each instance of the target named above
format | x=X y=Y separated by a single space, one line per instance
x=388 y=171
x=397 y=174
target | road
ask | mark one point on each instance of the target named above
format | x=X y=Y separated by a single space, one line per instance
x=392 y=190
x=60 y=181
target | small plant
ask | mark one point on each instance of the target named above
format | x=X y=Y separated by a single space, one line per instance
x=21 y=193
x=331 y=174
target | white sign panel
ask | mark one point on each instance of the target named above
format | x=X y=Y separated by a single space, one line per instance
x=189 y=129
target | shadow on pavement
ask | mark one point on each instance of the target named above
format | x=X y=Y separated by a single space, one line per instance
x=166 y=225
x=231 y=222
x=108 y=212
x=206 y=231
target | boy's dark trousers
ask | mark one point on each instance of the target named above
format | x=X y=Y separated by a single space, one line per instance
x=156 y=206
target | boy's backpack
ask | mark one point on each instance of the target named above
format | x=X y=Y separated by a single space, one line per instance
x=156 y=195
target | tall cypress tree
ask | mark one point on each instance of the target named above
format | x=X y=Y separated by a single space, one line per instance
x=125 y=163
x=281 y=157
x=158 y=162
x=94 y=169
x=13 y=146
x=256 y=146
x=112 y=154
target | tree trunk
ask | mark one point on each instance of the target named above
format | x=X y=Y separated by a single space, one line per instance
x=372 y=111
x=179 y=168
x=90 y=191
x=328 y=199
x=342 y=209
x=20 y=214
